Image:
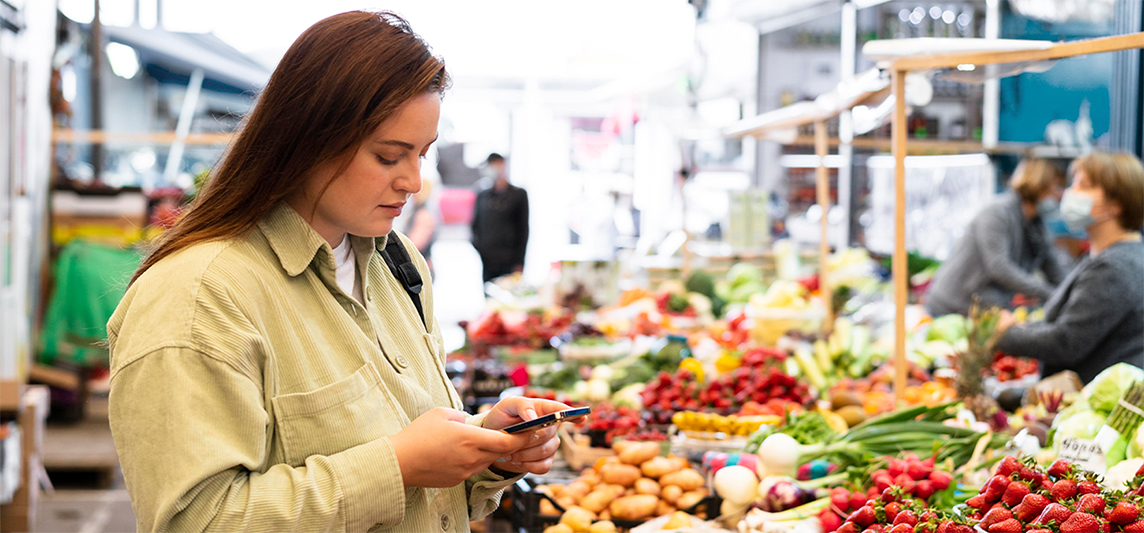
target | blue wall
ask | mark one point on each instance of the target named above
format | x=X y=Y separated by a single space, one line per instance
x=1030 y=101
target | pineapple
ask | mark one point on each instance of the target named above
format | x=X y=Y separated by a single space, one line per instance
x=983 y=335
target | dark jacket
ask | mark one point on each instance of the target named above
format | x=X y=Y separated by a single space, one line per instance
x=995 y=260
x=1094 y=320
x=500 y=227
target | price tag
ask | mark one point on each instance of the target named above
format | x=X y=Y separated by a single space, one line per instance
x=1086 y=453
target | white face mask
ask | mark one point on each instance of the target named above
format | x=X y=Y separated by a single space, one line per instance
x=1047 y=206
x=1076 y=210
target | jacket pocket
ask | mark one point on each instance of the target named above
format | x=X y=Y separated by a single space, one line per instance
x=349 y=412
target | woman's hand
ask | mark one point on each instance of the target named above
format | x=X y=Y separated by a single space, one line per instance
x=1005 y=321
x=535 y=456
x=440 y=450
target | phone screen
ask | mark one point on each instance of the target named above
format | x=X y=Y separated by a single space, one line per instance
x=567 y=415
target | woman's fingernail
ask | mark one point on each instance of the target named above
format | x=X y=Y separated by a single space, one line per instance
x=531 y=413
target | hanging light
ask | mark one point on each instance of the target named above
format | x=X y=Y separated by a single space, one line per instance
x=123 y=59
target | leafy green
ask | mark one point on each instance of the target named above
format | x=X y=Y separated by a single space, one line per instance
x=1105 y=390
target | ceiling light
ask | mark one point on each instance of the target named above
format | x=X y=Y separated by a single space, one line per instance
x=123 y=60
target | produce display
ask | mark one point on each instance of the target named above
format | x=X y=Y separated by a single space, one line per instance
x=730 y=390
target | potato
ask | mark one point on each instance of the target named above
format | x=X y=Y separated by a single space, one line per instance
x=597 y=500
x=687 y=479
x=566 y=502
x=605 y=461
x=680 y=462
x=639 y=453
x=576 y=490
x=553 y=490
x=671 y=493
x=663 y=508
x=635 y=507
x=689 y=499
x=679 y=520
x=547 y=508
x=630 y=492
x=578 y=518
x=558 y=528
x=647 y=486
x=591 y=477
x=657 y=467
x=617 y=490
x=621 y=445
x=625 y=475
x=605 y=515
x=603 y=526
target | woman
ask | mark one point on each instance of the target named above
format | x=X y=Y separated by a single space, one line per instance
x=421 y=223
x=269 y=372
x=1096 y=317
x=1003 y=247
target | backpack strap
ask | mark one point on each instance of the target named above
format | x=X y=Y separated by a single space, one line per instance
x=397 y=259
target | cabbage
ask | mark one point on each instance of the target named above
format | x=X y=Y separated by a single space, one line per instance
x=1122 y=473
x=949 y=328
x=1136 y=445
x=1080 y=424
x=1105 y=390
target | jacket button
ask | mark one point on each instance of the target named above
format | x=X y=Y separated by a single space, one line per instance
x=445 y=522
x=369 y=297
x=402 y=362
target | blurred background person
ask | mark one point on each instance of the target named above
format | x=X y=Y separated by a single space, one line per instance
x=1004 y=247
x=500 y=223
x=419 y=221
x=1095 y=319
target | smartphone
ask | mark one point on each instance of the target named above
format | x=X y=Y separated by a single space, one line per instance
x=551 y=419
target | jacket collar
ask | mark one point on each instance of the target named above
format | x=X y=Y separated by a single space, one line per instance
x=295 y=242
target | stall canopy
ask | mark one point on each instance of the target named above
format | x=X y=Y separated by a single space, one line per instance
x=170 y=57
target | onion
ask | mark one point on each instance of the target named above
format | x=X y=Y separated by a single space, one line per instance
x=736 y=484
x=779 y=455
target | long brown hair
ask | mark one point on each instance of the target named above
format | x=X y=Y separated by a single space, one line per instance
x=337 y=83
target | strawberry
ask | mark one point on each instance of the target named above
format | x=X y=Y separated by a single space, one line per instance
x=1006 y=526
x=1105 y=527
x=1063 y=490
x=994 y=516
x=1123 y=513
x=892 y=509
x=906 y=482
x=1038 y=530
x=1026 y=473
x=1135 y=527
x=857 y=500
x=1046 y=484
x=995 y=488
x=901 y=528
x=918 y=471
x=906 y=517
x=1008 y=466
x=1014 y=493
x=924 y=489
x=959 y=528
x=1090 y=503
x=1033 y=504
x=876 y=528
x=928 y=516
x=977 y=502
x=863 y=517
x=1060 y=468
x=890 y=495
x=943 y=527
x=883 y=483
x=1054 y=512
x=829 y=520
x=1088 y=487
x=941 y=479
x=848 y=527
x=840 y=498
x=1081 y=523
x=896 y=467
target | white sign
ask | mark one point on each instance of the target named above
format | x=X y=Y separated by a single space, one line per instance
x=1083 y=452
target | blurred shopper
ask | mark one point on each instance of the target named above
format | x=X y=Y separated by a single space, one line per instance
x=1004 y=247
x=500 y=223
x=420 y=223
x=270 y=372
x=1095 y=319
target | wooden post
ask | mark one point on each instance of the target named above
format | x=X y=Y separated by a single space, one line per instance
x=900 y=271
x=821 y=146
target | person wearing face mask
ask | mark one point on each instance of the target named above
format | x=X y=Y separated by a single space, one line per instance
x=1004 y=247
x=1095 y=319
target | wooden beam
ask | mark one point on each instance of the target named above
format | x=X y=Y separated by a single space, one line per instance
x=50 y=375
x=900 y=271
x=100 y=137
x=1057 y=51
x=821 y=147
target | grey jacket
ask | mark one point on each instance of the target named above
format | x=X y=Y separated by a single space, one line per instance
x=1094 y=320
x=995 y=260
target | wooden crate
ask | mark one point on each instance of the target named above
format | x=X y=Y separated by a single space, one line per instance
x=578 y=453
